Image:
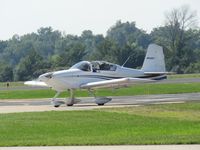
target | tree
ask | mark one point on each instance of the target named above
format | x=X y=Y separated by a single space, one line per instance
x=75 y=53
x=108 y=50
x=46 y=40
x=32 y=54
x=3 y=45
x=125 y=40
x=128 y=33
x=28 y=67
x=193 y=68
x=6 y=73
x=104 y=51
x=178 y=38
x=178 y=21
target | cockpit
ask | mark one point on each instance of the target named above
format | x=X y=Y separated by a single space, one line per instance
x=95 y=66
x=103 y=65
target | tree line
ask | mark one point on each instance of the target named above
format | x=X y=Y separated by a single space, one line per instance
x=26 y=57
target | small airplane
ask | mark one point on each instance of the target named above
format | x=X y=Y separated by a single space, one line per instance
x=101 y=74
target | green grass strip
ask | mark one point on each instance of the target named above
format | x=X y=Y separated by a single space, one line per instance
x=102 y=127
x=197 y=75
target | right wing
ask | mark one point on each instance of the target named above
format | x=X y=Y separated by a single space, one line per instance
x=115 y=83
x=167 y=73
x=36 y=83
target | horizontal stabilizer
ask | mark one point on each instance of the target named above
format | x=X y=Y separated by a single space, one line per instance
x=115 y=83
x=36 y=83
x=167 y=73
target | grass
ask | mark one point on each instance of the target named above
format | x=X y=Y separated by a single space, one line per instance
x=115 y=126
x=197 y=75
x=11 y=84
x=185 y=111
x=143 y=89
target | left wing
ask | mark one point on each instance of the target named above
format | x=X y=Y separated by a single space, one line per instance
x=36 y=83
x=115 y=83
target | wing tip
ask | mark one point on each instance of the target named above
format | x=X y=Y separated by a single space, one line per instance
x=35 y=83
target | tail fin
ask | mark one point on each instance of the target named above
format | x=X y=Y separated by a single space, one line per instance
x=154 y=60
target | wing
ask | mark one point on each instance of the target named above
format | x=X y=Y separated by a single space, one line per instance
x=36 y=83
x=115 y=83
x=167 y=73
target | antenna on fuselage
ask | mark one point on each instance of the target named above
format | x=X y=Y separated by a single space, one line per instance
x=126 y=60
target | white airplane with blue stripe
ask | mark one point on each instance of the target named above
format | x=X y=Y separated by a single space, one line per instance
x=101 y=74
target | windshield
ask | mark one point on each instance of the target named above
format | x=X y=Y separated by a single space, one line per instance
x=83 y=65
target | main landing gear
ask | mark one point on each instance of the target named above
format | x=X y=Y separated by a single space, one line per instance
x=100 y=100
x=72 y=100
x=69 y=102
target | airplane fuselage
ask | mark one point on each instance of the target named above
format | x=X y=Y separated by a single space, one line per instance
x=73 y=78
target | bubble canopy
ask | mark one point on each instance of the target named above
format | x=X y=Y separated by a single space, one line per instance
x=95 y=66
x=83 y=65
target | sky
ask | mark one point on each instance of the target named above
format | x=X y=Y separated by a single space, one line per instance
x=73 y=16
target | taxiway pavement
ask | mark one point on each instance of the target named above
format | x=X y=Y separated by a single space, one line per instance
x=87 y=103
x=126 y=147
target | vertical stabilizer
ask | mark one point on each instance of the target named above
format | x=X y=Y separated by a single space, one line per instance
x=154 y=60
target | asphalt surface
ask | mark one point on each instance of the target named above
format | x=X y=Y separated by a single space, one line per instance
x=128 y=147
x=87 y=103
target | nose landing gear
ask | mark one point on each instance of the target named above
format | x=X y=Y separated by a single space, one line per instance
x=69 y=102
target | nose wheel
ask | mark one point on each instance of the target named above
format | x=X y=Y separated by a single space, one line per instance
x=58 y=103
x=55 y=102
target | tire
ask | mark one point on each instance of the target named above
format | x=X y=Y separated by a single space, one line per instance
x=70 y=104
x=100 y=104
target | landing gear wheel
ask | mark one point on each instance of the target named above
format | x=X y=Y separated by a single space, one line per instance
x=101 y=104
x=57 y=103
x=102 y=100
x=56 y=106
x=70 y=104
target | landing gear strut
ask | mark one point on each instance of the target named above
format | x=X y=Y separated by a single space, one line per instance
x=55 y=102
x=69 y=102
x=100 y=100
x=72 y=100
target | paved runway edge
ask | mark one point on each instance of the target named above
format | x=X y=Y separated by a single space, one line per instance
x=87 y=103
x=126 y=147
